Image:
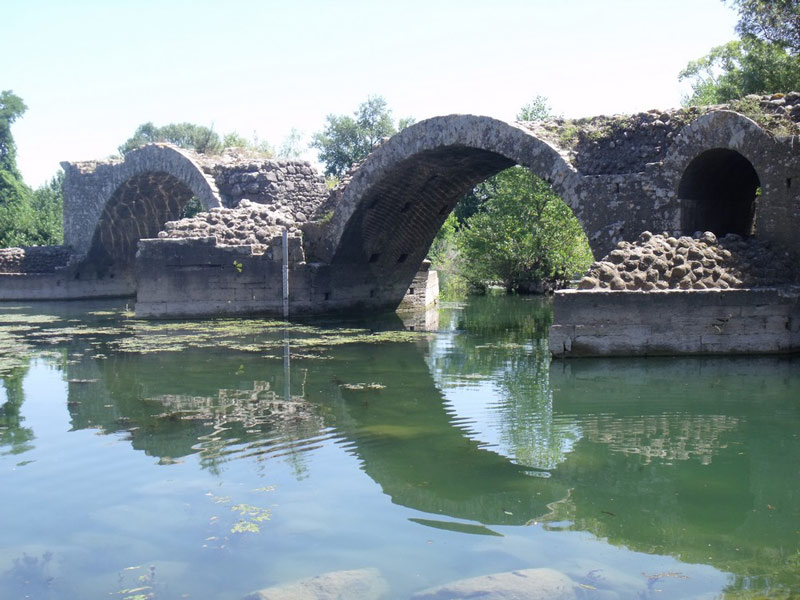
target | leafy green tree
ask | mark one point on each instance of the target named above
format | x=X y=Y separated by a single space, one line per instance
x=11 y=108
x=47 y=203
x=536 y=110
x=346 y=139
x=35 y=219
x=738 y=68
x=765 y=60
x=184 y=135
x=526 y=235
x=13 y=191
x=773 y=21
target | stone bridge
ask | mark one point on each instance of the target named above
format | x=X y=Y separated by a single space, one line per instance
x=361 y=244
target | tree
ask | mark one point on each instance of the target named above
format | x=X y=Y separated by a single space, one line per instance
x=765 y=60
x=345 y=140
x=47 y=203
x=738 y=68
x=536 y=110
x=11 y=108
x=184 y=135
x=16 y=214
x=525 y=236
x=773 y=21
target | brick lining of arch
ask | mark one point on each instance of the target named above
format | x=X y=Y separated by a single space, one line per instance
x=397 y=220
x=137 y=209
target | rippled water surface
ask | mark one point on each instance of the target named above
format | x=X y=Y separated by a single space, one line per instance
x=210 y=459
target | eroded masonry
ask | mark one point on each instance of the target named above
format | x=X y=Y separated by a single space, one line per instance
x=733 y=171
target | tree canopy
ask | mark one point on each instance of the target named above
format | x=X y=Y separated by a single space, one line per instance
x=346 y=139
x=11 y=108
x=765 y=60
x=773 y=21
x=525 y=235
x=184 y=135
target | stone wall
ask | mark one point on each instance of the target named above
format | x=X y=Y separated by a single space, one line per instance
x=34 y=259
x=292 y=187
x=672 y=322
x=423 y=292
x=614 y=144
x=188 y=277
x=65 y=284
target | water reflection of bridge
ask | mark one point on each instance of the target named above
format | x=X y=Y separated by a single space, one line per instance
x=633 y=476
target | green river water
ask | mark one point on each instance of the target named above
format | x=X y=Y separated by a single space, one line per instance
x=208 y=459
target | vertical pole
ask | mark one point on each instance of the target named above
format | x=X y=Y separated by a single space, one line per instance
x=285 y=240
x=287 y=395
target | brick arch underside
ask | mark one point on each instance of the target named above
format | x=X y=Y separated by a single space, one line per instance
x=138 y=209
x=390 y=233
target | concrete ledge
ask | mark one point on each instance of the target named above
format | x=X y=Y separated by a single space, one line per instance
x=65 y=284
x=675 y=322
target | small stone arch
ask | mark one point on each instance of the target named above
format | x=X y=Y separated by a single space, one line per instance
x=718 y=190
x=399 y=197
x=716 y=168
x=137 y=196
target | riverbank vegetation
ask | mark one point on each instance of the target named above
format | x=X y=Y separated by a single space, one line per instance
x=27 y=217
x=765 y=60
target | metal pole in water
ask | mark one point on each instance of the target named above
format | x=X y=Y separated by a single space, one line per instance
x=285 y=244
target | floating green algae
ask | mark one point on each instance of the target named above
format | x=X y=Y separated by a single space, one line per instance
x=112 y=330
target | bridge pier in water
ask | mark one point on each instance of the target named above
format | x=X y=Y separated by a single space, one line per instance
x=360 y=246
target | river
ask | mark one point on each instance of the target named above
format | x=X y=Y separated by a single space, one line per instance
x=208 y=459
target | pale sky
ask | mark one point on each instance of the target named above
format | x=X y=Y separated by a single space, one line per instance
x=91 y=71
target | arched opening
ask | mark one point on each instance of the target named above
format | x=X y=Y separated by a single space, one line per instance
x=138 y=209
x=396 y=220
x=718 y=191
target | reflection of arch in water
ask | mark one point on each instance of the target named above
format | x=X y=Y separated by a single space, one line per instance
x=394 y=440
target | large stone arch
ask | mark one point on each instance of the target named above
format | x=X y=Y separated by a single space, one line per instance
x=397 y=200
x=108 y=207
x=715 y=167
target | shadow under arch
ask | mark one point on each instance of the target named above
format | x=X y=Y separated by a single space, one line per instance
x=150 y=187
x=719 y=189
x=398 y=199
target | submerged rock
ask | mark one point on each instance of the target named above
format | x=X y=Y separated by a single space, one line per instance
x=359 y=584
x=528 y=584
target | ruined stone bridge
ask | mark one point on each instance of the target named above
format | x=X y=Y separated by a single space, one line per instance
x=361 y=244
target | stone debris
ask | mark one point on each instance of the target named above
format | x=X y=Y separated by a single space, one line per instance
x=700 y=262
x=531 y=584
x=359 y=584
x=249 y=223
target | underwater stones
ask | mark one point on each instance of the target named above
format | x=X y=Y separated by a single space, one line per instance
x=359 y=584
x=531 y=584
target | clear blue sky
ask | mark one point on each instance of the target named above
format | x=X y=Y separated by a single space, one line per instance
x=91 y=71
